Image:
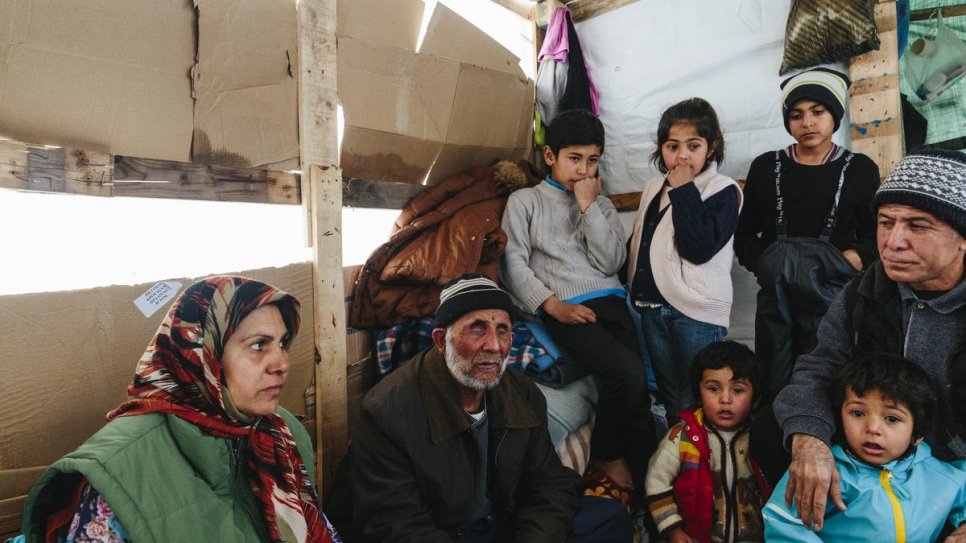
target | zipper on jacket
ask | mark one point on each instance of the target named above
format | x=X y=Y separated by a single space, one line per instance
x=235 y=447
x=905 y=340
x=900 y=521
x=496 y=453
x=731 y=500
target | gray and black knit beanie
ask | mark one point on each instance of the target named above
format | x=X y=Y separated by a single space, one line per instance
x=470 y=292
x=932 y=180
x=823 y=85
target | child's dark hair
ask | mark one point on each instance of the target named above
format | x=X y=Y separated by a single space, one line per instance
x=575 y=127
x=895 y=378
x=727 y=354
x=699 y=113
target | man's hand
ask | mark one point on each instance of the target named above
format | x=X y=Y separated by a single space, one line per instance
x=677 y=535
x=811 y=479
x=682 y=174
x=853 y=257
x=586 y=191
x=958 y=535
x=568 y=313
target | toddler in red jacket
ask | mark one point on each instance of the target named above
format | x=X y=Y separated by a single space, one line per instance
x=701 y=484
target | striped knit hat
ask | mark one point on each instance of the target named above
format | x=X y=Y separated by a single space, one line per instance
x=932 y=180
x=470 y=292
x=825 y=86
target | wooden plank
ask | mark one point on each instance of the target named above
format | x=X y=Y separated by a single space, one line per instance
x=378 y=194
x=949 y=11
x=322 y=185
x=581 y=10
x=13 y=165
x=330 y=323
x=884 y=82
x=885 y=16
x=875 y=109
x=79 y=171
x=626 y=201
x=877 y=128
x=145 y=177
x=520 y=7
x=45 y=169
x=318 y=94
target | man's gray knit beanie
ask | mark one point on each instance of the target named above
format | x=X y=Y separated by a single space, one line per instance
x=470 y=292
x=932 y=180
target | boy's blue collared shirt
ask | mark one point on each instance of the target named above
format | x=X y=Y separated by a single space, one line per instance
x=556 y=185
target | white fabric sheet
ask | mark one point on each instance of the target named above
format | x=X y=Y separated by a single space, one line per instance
x=648 y=55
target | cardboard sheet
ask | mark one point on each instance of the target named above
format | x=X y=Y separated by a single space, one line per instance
x=448 y=34
x=245 y=83
x=215 y=81
x=412 y=116
x=69 y=357
x=107 y=75
x=390 y=22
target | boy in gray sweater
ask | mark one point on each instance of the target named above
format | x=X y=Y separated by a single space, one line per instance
x=564 y=250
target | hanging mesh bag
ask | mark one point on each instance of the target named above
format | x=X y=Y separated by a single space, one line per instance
x=824 y=31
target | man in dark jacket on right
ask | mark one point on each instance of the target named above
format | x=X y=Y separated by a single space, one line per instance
x=912 y=302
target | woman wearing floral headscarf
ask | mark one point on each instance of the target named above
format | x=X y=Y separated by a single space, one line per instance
x=201 y=450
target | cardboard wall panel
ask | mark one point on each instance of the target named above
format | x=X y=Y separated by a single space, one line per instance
x=69 y=357
x=450 y=35
x=391 y=22
x=396 y=91
x=411 y=116
x=107 y=75
x=245 y=85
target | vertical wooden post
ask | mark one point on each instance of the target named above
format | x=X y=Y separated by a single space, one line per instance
x=322 y=192
x=875 y=108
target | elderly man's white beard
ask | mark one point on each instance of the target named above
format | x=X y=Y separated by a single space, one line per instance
x=458 y=366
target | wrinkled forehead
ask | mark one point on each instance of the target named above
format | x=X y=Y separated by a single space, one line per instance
x=908 y=213
x=494 y=317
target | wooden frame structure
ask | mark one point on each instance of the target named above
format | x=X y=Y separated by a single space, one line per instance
x=876 y=131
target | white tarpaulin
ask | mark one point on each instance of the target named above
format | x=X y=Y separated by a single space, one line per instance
x=648 y=55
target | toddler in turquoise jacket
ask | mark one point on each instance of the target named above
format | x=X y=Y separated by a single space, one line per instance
x=892 y=486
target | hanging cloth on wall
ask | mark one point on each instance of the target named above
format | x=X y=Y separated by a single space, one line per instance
x=563 y=81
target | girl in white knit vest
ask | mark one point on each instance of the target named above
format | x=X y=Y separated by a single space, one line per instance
x=680 y=252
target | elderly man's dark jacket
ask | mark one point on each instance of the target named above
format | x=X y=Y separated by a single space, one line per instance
x=413 y=459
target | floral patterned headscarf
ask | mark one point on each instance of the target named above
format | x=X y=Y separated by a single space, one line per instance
x=181 y=374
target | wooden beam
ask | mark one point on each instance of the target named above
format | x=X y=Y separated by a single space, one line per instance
x=874 y=106
x=330 y=322
x=378 y=194
x=78 y=171
x=520 y=7
x=165 y=179
x=322 y=186
x=626 y=201
x=949 y=11
x=581 y=10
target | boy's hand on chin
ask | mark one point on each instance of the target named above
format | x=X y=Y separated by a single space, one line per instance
x=586 y=191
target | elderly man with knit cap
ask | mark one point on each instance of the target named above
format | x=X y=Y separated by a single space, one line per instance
x=450 y=447
x=911 y=302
